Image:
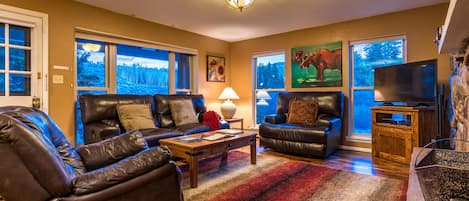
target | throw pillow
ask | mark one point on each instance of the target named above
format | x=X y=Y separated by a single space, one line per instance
x=303 y=112
x=212 y=120
x=135 y=116
x=183 y=112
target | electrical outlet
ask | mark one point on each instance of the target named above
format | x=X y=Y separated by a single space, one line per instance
x=57 y=79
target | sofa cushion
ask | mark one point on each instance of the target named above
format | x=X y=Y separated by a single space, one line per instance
x=303 y=112
x=182 y=112
x=153 y=135
x=163 y=112
x=135 y=116
x=96 y=107
x=188 y=129
x=330 y=103
x=292 y=147
x=296 y=133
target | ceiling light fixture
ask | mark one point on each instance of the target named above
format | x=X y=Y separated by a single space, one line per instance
x=240 y=4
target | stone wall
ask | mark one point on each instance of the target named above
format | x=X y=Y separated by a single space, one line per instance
x=460 y=102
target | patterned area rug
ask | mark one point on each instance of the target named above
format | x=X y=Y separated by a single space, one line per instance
x=278 y=179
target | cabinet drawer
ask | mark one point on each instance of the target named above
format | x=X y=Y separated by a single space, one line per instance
x=393 y=144
x=390 y=131
x=229 y=145
x=239 y=143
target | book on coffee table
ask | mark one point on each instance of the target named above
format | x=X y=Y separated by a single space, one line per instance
x=216 y=137
x=229 y=131
x=188 y=139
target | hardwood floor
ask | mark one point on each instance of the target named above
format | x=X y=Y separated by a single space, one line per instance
x=353 y=161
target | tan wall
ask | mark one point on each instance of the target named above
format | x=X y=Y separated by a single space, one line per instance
x=66 y=15
x=418 y=25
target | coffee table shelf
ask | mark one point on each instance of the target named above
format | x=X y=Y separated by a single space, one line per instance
x=194 y=151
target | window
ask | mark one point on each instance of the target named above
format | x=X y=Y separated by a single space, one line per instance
x=142 y=70
x=183 y=72
x=105 y=67
x=269 y=70
x=367 y=55
x=15 y=60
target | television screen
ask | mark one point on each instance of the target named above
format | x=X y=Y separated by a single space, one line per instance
x=411 y=82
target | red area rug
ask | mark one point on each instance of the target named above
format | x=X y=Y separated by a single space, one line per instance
x=278 y=179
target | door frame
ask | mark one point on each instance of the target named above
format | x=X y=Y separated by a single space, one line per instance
x=40 y=21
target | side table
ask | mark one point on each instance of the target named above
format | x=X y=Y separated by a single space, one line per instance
x=234 y=120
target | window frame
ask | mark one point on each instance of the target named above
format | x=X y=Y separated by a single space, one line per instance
x=110 y=60
x=110 y=50
x=360 y=136
x=254 y=81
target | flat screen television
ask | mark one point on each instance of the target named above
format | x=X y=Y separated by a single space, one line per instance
x=412 y=83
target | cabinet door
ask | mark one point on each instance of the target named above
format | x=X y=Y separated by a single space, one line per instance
x=393 y=144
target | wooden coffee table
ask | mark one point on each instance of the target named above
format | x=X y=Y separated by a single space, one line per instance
x=194 y=151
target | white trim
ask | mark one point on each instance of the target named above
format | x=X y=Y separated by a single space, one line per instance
x=268 y=53
x=110 y=68
x=350 y=148
x=56 y=67
x=195 y=74
x=363 y=138
x=39 y=22
x=91 y=89
x=120 y=39
x=379 y=38
x=363 y=88
x=15 y=46
x=172 y=72
x=254 y=80
x=253 y=92
x=271 y=89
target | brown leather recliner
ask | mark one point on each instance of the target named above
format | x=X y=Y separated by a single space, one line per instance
x=38 y=163
x=320 y=140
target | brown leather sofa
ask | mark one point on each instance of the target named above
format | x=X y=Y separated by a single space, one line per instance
x=101 y=121
x=39 y=164
x=320 y=140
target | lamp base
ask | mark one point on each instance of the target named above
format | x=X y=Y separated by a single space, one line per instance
x=228 y=109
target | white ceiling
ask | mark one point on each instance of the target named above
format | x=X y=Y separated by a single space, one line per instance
x=214 y=18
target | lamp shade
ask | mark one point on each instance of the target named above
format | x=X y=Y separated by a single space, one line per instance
x=263 y=95
x=91 y=47
x=262 y=102
x=228 y=93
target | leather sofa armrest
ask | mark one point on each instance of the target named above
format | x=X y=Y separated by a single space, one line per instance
x=275 y=118
x=123 y=170
x=108 y=151
x=101 y=130
x=224 y=124
x=329 y=121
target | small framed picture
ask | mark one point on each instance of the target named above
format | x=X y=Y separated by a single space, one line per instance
x=215 y=69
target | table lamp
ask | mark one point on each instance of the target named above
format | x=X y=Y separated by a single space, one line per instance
x=228 y=108
x=263 y=96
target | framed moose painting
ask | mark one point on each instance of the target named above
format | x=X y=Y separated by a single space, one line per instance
x=317 y=65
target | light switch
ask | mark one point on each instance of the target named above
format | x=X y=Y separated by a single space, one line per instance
x=57 y=79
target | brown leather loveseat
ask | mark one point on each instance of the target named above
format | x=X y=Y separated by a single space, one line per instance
x=39 y=164
x=319 y=140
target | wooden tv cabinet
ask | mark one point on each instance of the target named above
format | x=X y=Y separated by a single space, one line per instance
x=394 y=138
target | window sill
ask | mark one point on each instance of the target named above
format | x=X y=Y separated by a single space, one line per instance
x=359 y=138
